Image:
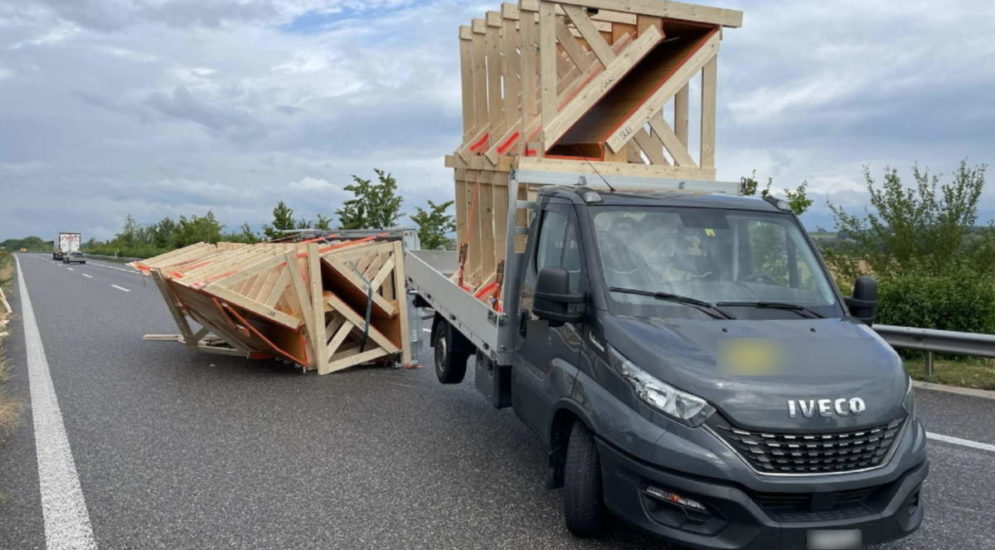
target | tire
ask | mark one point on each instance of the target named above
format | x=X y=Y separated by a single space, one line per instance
x=583 y=494
x=450 y=366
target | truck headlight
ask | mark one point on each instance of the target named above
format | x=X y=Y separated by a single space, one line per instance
x=909 y=403
x=679 y=405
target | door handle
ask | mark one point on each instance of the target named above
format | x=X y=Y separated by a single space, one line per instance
x=522 y=327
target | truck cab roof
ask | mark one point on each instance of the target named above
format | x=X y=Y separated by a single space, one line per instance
x=579 y=195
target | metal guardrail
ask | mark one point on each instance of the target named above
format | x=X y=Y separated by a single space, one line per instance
x=938 y=341
x=112 y=258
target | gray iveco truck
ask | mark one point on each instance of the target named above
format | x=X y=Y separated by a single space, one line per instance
x=686 y=358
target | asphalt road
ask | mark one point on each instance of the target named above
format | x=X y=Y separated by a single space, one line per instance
x=175 y=449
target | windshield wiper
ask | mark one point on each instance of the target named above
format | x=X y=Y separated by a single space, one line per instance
x=707 y=307
x=797 y=308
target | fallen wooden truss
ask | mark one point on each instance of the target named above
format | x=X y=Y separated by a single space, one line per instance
x=325 y=305
x=568 y=85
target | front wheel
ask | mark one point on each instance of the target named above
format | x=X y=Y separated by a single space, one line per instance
x=583 y=495
x=450 y=365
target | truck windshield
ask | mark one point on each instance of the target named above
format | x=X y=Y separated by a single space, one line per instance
x=751 y=264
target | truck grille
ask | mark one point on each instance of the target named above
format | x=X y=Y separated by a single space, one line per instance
x=806 y=453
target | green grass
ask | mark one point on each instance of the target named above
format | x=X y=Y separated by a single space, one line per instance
x=967 y=373
x=10 y=410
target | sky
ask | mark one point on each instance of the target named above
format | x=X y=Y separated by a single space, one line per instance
x=159 y=108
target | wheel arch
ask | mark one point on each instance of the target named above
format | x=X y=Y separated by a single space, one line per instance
x=565 y=414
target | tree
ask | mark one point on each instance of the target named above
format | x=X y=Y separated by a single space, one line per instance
x=926 y=228
x=797 y=199
x=322 y=222
x=283 y=219
x=374 y=206
x=434 y=225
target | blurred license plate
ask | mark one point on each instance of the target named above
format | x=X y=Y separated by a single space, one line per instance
x=833 y=539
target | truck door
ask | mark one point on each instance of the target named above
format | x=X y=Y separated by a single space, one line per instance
x=547 y=357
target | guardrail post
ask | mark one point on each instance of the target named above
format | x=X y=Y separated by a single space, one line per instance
x=929 y=363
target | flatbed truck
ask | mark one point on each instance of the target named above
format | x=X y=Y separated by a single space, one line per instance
x=690 y=366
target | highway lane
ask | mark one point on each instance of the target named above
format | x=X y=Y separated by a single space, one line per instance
x=179 y=450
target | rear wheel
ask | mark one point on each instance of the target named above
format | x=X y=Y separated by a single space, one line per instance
x=583 y=495
x=450 y=365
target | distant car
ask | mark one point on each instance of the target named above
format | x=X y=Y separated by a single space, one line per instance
x=74 y=258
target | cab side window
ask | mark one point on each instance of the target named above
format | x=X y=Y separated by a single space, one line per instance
x=559 y=246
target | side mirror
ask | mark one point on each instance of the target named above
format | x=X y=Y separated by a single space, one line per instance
x=864 y=303
x=553 y=298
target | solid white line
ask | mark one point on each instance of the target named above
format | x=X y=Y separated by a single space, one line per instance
x=70 y=269
x=426 y=330
x=88 y=276
x=67 y=523
x=962 y=442
x=121 y=288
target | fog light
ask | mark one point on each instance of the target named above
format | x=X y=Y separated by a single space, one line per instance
x=674 y=498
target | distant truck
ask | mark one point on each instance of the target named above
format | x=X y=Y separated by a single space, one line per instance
x=66 y=243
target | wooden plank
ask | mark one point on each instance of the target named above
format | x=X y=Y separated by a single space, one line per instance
x=577 y=55
x=302 y=294
x=479 y=79
x=495 y=102
x=499 y=202
x=255 y=307
x=486 y=222
x=400 y=281
x=671 y=142
x=350 y=315
x=681 y=107
x=172 y=303
x=527 y=75
x=277 y=289
x=667 y=10
x=547 y=66
x=590 y=34
x=610 y=168
x=385 y=271
x=350 y=359
x=652 y=146
x=709 y=76
x=336 y=342
x=466 y=68
x=652 y=106
x=599 y=86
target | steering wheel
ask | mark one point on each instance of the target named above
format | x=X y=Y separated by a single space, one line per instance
x=761 y=278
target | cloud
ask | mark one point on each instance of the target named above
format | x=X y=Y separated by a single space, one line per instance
x=164 y=108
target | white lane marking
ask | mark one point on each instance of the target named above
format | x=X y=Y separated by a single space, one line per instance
x=88 y=276
x=426 y=330
x=67 y=523
x=70 y=269
x=114 y=268
x=121 y=288
x=962 y=442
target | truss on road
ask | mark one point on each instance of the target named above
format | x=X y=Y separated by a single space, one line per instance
x=325 y=304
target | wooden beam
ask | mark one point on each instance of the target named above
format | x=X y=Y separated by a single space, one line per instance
x=599 y=86
x=590 y=34
x=709 y=76
x=466 y=68
x=670 y=141
x=569 y=44
x=652 y=106
x=611 y=169
x=652 y=146
x=400 y=282
x=547 y=64
x=667 y=10
x=681 y=102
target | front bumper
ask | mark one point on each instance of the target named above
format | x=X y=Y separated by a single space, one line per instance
x=738 y=518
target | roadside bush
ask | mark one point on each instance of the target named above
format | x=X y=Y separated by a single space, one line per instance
x=960 y=302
